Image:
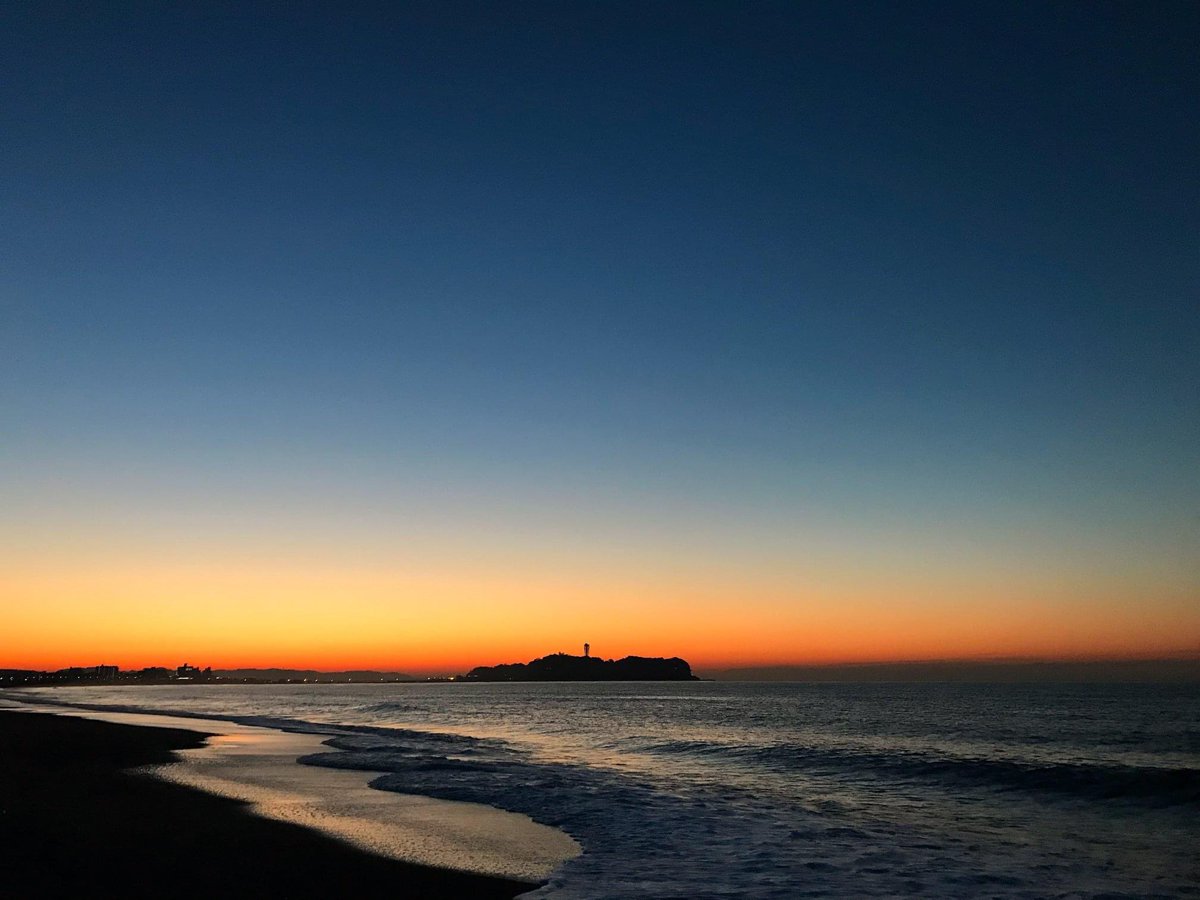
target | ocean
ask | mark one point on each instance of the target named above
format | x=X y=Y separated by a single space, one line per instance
x=778 y=791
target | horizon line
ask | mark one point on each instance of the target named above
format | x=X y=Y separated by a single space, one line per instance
x=1180 y=656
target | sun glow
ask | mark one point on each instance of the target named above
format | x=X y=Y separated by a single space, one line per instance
x=445 y=622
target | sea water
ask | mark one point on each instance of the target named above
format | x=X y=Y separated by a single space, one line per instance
x=722 y=790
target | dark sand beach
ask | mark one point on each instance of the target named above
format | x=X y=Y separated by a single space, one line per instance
x=74 y=821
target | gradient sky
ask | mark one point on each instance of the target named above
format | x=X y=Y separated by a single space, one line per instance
x=422 y=337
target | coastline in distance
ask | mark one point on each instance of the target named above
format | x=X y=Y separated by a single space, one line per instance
x=565 y=667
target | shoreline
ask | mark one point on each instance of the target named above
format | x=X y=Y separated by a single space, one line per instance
x=75 y=818
x=261 y=765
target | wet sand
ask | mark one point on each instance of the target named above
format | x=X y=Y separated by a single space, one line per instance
x=75 y=821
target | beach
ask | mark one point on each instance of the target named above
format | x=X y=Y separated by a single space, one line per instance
x=611 y=791
x=75 y=819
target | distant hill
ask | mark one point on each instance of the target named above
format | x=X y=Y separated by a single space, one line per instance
x=563 y=667
x=363 y=675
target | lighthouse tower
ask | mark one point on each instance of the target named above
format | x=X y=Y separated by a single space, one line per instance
x=587 y=649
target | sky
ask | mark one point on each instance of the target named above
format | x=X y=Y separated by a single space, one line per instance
x=420 y=336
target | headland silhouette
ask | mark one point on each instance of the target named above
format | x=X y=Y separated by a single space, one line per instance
x=565 y=667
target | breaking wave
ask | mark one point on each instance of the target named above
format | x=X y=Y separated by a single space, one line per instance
x=1153 y=785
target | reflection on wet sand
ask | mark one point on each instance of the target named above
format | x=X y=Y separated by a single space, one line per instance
x=258 y=766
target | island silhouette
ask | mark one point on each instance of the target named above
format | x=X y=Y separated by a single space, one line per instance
x=565 y=667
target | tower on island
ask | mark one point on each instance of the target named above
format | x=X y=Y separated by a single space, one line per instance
x=587 y=650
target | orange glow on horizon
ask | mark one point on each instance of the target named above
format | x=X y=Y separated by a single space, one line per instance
x=439 y=622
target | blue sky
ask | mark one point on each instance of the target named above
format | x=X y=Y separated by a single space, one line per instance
x=890 y=274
